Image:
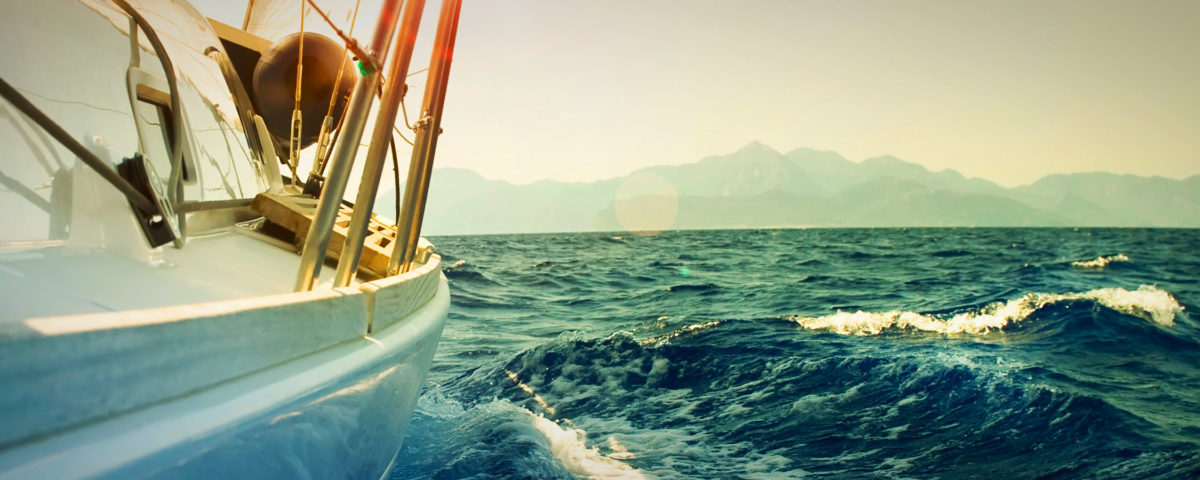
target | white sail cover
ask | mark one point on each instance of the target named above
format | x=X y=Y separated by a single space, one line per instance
x=274 y=19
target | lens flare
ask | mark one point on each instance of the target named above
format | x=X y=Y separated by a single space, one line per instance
x=646 y=204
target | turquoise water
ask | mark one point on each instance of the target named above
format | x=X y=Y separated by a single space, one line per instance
x=842 y=353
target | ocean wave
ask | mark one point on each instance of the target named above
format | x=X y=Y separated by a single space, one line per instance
x=1100 y=262
x=649 y=406
x=688 y=330
x=693 y=287
x=720 y=405
x=467 y=275
x=713 y=382
x=569 y=446
x=1147 y=302
x=536 y=445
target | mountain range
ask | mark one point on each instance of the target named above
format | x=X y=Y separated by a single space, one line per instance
x=759 y=187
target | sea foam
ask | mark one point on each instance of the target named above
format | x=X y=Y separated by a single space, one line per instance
x=1147 y=302
x=688 y=330
x=569 y=446
x=1100 y=262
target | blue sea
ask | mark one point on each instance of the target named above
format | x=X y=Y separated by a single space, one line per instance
x=820 y=353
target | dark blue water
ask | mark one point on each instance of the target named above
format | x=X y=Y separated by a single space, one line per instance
x=875 y=353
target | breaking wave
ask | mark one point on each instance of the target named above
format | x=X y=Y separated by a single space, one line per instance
x=1147 y=302
x=1100 y=262
x=547 y=448
x=569 y=446
x=688 y=330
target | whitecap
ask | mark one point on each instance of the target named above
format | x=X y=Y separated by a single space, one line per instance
x=1100 y=262
x=1147 y=302
x=688 y=330
x=569 y=446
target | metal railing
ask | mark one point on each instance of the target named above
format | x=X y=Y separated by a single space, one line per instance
x=389 y=105
x=408 y=226
x=317 y=240
x=424 y=146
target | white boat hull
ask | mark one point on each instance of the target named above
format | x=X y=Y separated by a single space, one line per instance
x=337 y=413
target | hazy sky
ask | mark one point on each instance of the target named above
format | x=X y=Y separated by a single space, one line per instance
x=1006 y=90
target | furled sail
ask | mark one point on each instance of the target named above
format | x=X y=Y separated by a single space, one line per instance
x=275 y=19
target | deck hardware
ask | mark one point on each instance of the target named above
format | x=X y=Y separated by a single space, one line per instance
x=420 y=168
x=340 y=162
x=389 y=105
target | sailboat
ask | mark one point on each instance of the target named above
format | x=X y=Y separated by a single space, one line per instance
x=165 y=311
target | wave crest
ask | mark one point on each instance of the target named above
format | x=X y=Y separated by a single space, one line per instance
x=1100 y=262
x=1147 y=302
x=688 y=330
x=569 y=446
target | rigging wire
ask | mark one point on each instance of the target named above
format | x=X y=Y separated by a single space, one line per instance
x=368 y=60
x=326 y=138
x=379 y=94
x=297 y=116
x=406 y=140
x=404 y=109
x=342 y=64
x=246 y=21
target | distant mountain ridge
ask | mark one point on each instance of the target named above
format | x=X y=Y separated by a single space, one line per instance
x=758 y=187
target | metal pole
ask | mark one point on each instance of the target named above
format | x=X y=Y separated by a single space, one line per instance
x=246 y=21
x=317 y=240
x=389 y=105
x=408 y=230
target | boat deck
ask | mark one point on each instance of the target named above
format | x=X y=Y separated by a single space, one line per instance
x=55 y=281
x=86 y=320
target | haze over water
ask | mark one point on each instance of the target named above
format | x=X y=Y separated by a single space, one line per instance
x=835 y=353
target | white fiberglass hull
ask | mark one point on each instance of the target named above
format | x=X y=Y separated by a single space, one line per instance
x=337 y=413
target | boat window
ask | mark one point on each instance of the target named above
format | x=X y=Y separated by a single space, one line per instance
x=215 y=148
x=82 y=87
x=27 y=181
x=152 y=110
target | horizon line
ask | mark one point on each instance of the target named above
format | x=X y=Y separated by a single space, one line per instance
x=857 y=162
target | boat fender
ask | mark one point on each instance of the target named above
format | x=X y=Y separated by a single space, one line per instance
x=274 y=85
